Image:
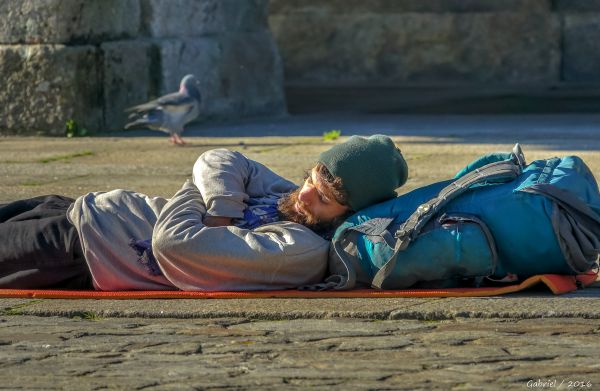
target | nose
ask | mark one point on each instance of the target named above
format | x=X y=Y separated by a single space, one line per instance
x=307 y=194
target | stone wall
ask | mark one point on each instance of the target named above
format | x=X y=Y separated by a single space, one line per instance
x=87 y=60
x=407 y=42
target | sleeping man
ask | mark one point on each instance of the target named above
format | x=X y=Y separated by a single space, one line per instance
x=236 y=226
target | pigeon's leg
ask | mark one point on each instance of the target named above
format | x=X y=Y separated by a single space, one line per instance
x=179 y=140
x=172 y=139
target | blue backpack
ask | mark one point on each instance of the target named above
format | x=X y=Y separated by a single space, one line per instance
x=498 y=219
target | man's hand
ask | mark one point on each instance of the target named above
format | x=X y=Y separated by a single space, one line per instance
x=217 y=221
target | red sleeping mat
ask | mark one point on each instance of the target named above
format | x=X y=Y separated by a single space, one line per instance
x=558 y=284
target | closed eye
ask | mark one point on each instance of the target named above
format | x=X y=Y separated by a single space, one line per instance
x=308 y=177
x=324 y=199
x=309 y=180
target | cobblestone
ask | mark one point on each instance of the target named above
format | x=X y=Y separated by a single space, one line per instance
x=236 y=353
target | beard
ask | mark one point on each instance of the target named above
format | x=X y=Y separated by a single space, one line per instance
x=287 y=211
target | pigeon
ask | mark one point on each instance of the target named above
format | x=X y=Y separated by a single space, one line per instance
x=171 y=112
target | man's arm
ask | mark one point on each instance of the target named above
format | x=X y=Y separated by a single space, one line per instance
x=227 y=179
x=196 y=257
x=216 y=221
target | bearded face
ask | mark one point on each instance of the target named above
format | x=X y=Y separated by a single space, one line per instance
x=292 y=209
x=318 y=204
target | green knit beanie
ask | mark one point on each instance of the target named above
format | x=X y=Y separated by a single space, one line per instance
x=370 y=169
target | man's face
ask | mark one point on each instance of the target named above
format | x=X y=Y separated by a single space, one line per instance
x=313 y=204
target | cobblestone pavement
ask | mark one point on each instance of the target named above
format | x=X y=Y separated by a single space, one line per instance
x=523 y=341
x=89 y=352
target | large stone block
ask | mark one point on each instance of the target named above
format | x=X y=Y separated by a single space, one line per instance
x=131 y=76
x=177 y=18
x=118 y=53
x=198 y=56
x=418 y=47
x=240 y=74
x=581 y=48
x=46 y=85
x=252 y=74
x=67 y=21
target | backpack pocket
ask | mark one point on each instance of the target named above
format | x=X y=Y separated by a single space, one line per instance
x=449 y=247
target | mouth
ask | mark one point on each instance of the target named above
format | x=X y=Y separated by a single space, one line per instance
x=299 y=209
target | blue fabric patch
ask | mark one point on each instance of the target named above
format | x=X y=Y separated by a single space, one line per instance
x=257 y=215
x=143 y=249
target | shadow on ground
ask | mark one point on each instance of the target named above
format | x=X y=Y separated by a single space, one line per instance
x=550 y=131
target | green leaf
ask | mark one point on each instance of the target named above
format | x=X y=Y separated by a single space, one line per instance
x=332 y=135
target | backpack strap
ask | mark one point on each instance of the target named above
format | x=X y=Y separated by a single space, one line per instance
x=497 y=172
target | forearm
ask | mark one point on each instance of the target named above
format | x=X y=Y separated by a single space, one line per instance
x=227 y=180
x=220 y=177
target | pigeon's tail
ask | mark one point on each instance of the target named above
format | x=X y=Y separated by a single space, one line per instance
x=148 y=121
x=139 y=123
x=142 y=108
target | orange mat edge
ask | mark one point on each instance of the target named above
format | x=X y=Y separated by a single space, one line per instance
x=558 y=284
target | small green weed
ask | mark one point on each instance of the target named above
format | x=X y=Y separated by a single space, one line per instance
x=332 y=135
x=65 y=157
x=73 y=129
x=87 y=315
x=31 y=183
x=17 y=309
x=90 y=315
